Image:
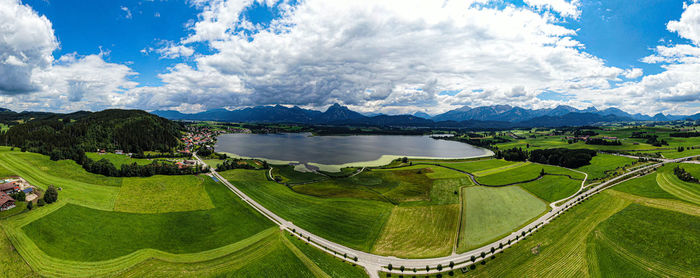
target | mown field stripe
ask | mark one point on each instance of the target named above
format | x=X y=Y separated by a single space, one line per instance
x=500 y=169
x=667 y=204
x=677 y=190
x=315 y=269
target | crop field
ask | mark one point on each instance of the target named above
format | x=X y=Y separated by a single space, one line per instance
x=160 y=194
x=354 y=222
x=648 y=241
x=605 y=162
x=419 y=232
x=490 y=213
x=552 y=188
x=79 y=233
x=525 y=173
x=686 y=191
x=118 y=159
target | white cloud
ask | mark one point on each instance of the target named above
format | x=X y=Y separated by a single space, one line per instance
x=689 y=25
x=171 y=50
x=26 y=42
x=562 y=7
x=388 y=53
x=633 y=73
x=127 y=12
x=31 y=79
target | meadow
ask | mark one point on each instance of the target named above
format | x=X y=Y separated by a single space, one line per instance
x=602 y=163
x=356 y=223
x=524 y=173
x=419 y=232
x=490 y=213
x=552 y=188
x=118 y=159
x=160 y=194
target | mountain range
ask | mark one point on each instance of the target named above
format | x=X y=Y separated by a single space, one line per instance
x=501 y=116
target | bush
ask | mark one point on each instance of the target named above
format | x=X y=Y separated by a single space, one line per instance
x=30 y=206
x=19 y=196
x=40 y=202
x=51 y=195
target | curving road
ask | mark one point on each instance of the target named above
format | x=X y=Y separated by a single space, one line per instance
x=375 y=263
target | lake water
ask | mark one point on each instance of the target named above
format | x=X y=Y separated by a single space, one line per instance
x=336 y=150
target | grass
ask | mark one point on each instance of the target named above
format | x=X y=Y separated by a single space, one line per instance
x=602 y=163
x=645 y=186
x=446 y=191
x=654 y=241
x=287 y=174
x=335 y=267
x=562 y=244
x=480 y=165
x=118 y=159
x=19 y=208
x=83 y=234
x=78 y=186
x=419 y=232
x=11 y=262
x=686 y=191
x=490 y=213
x=552 y=188
x=267 y=257
x=160 y=194
x=524 y=173
x=352 y=222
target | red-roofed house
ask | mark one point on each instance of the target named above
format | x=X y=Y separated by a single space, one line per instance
x=6 y=202
x=9 y=187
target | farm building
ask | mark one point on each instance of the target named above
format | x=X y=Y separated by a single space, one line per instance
x=9 y=187
x=6 y=202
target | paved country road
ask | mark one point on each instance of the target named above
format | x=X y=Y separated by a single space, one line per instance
x=375 y=263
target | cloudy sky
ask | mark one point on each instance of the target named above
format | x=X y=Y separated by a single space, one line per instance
x=386 y=56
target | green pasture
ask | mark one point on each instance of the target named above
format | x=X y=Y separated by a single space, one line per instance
x=524 y=173
x=490 y=213
x=479 y=165
x=645 y=186
x=602 y=163
x=118 y=159
x=334 y=267
x=287 y=174
x=646 y=242
x=553 y=188
x=353 y=222
x=160 y=194
x=80 y=233
x=419 y=232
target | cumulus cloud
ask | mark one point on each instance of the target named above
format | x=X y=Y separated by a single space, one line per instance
x=633 y=73
x=26 y=43
x=689 y=24
x=31 y=79
x=388 y=54
x=562 y=7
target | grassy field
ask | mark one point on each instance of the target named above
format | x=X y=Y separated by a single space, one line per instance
x=287 y=174
x=648 y=242
x=601 y=163
x=490 y=213
x=552 y=188
x=332 y=266
x=79 y=186
x=480 y=165
x=524 y=173
x=11 y=262
x=419 y=232
x=353 y=222
x=645 y=186
x=160 y=194
x=83 y=234
x=118 y=159
x=687 y=191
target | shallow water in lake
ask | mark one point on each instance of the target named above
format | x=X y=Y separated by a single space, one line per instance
x=335 y=150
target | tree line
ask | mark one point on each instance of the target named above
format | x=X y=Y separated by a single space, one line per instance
x=683 y=175
x=569 y=158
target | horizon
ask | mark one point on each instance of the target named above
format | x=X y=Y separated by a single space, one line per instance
x=388 y=57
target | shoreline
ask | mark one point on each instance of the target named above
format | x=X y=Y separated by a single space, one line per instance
x=381 y=161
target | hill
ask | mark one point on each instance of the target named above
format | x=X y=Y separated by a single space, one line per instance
x=129 y=130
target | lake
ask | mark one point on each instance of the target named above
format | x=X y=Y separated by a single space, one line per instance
x=337 y=150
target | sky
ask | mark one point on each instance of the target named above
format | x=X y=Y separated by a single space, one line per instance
x=393 y=56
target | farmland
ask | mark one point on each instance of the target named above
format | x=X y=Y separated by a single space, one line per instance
x=118 y=159
x=602 y=163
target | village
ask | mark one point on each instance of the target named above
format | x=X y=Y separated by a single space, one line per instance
x=14 y=189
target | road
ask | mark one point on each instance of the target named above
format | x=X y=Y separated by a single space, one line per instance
x=375 y=263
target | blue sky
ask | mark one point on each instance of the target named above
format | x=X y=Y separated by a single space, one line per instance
x=181 y=54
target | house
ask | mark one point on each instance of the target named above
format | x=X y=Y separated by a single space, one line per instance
x=118 y=152
x=9 y=187
x=102 y=151
x=6 y=202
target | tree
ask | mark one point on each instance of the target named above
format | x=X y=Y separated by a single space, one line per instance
x=452 y=264
x=542 y=172
x=402 y=268
x=493 y=250
x=19 y=196
x=404 y=159
x=51 y=195
x=390 y=267
x=473 y=259
x=483 y=255
x=427 y=268
x=439 y=267
x=30 y=206
x=40 y=202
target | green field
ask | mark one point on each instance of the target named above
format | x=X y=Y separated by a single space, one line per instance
x=480 y=165
x=118 y=159
x=687 y=191
x=159 y=194
x=491 y=213
x=646 y=242
x=601 y=163
x=355 y=223
x=287 y=174
x=79 y=233
x=419 y=232
x=524 y=173
x=552 y=188
x=645 y=186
